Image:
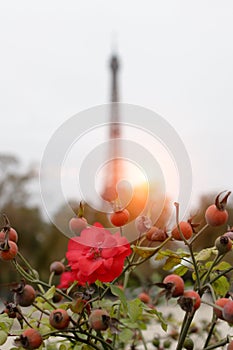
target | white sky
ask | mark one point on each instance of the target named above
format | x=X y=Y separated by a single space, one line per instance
x=177 y=59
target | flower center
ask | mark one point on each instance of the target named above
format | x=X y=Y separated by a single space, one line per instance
x=95 y=253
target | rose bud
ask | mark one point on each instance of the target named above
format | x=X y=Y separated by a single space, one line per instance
x=143 y=223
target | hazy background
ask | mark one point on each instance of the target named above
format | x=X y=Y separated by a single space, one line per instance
x=176 y=59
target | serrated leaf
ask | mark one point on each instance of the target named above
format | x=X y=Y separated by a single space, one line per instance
x=50 y=293
x=171 y=262
x=120 y=294
x=204 y=254
x=221 y=286
x=181 y=270
x=135 y=309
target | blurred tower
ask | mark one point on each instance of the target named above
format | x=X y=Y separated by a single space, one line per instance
x=114 y=169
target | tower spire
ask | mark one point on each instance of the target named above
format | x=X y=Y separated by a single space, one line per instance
x=114 y=168
x=114 y=127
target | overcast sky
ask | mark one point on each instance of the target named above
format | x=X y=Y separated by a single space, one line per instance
x=176 y=59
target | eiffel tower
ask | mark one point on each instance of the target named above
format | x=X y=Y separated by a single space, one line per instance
x=114 y=171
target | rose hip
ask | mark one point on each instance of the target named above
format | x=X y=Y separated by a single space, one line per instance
x=216 y=214
x=228 y=311
x=25 y=295
x=221 y=302
x=174 y=284
x=186 y=230
x=30 y=339
x=120 y=217
x=9 y=253
x=59 y=319
x=12 y=235
x=98 y=320
x=57 y=267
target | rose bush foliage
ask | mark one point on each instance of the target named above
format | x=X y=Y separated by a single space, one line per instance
x=93 y=305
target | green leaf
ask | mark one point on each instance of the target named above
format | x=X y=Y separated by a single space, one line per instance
x=120 y=294
x=3 y=337
x=126 y=335
x=181 y=270
x=180 y=253
x=5 y=322
x=171 y=262
x=194 y=276
x=221 y=286
x=83 y=347
x=99 y=284
x=222 y=266
x=50 y=293
x=208 y=264
x=63 y=347
x=144 y=252
x=135 y=309
x=204 y=254
x=159 y=315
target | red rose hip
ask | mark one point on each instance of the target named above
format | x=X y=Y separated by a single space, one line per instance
x=9 y=253
x=175 y=284
x=12 y=235
x=221 y=302
x=119 y=218
x=186 y=230
x=25 y=295
x=30 y=339
x=59 y=319
x=216 y=214
x=228 y=311
x=190 y=301
x=98 y=320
